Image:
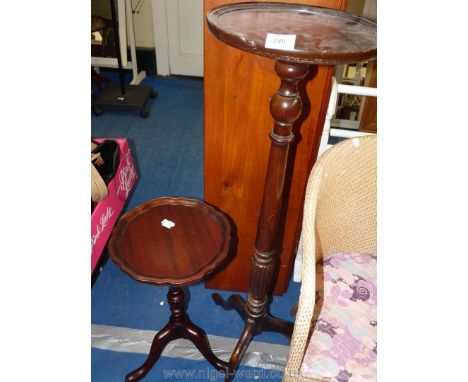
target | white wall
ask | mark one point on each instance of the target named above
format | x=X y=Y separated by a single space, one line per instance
x=365 y=8
x=143 y=21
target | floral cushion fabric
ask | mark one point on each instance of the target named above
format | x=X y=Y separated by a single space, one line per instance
x=343 y=345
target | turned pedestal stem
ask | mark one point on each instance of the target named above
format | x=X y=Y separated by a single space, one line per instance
x=286 y=108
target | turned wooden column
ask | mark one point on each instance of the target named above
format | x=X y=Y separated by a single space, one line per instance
x=176 y=299
x=285 y=107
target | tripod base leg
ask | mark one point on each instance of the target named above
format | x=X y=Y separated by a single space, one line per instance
x=253 y=326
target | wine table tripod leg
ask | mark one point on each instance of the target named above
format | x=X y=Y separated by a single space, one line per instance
x=160 y=340
x=179 y=326
x=286 y=108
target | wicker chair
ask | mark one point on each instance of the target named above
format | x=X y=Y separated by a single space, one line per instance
x=339 y=220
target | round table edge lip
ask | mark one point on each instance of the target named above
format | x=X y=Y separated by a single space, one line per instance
x=295 y=56
x=187 y=280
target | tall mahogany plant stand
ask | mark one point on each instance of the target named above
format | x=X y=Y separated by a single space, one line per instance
x=295 y=36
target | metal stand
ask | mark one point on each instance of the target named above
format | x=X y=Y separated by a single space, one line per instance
x=122 y=95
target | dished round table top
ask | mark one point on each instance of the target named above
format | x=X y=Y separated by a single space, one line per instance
x=314 y=35
x=192 y=242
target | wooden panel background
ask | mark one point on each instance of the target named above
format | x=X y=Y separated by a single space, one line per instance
x=368 y=117
x=237 y=89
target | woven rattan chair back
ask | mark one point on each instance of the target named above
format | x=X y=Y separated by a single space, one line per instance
x=347 y=196
x=339 y=216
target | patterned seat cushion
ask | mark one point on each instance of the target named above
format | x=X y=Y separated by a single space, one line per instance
x=343 y=346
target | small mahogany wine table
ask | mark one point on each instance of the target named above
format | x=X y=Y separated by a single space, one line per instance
x=176 y=256
x=295 y=36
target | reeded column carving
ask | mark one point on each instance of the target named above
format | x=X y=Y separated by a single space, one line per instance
x=285 y=107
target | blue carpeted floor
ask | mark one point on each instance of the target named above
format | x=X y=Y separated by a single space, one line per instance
x=168 y=145
x=168 y=150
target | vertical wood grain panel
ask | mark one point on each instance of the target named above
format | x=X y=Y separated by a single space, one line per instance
x=368 y=117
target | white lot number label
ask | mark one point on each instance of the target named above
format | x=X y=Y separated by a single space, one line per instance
x=280 y=41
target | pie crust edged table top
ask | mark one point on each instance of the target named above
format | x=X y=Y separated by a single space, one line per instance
x=182 y=255
x=322 y=36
